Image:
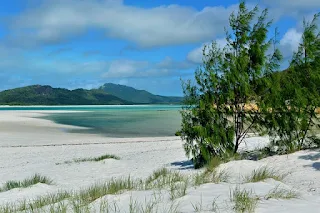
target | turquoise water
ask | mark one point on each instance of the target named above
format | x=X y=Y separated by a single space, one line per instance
x=117 y=121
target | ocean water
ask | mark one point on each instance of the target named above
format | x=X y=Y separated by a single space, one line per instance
x=117 y=121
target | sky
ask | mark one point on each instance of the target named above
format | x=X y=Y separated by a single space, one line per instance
x=146 y=44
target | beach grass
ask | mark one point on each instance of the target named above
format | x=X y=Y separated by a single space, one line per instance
x=60 y=207
x=37 y=203
x=35 y=179
x=178 y=189
x=172 y=183
x=198 y=207
x=264 y=173
x=163 y=172
x=114 y=186
x=281 y=193
x=163 y=178
x=148 y=206
x=91 y=159
x=210 y=176
x=243 y=200
x=213 y=163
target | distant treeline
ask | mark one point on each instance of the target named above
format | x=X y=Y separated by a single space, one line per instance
x=108 y=94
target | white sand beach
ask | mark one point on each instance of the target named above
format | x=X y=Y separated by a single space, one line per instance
x=32 y=145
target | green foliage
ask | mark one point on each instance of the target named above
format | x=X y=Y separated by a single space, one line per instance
x=239 y=89
x=178 y=133
x=109 y=94
x=138 y=96
x=216 y=117
x=46 y=95
x=290 y=105
x=213 y=163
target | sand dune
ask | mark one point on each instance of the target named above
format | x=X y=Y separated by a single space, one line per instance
x=32 y=145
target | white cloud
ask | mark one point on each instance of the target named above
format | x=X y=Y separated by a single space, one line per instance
x=195 y=55
x=56 y=21
x=291 y=38
x=132 y=68
x=169 y=63
x=290 y=42
x=125 y=68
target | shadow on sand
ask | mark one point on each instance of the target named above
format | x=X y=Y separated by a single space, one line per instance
x=182 y=165
x=312 y=157
x=316 y=166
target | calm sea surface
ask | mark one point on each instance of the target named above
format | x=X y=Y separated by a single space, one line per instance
x=117 y=121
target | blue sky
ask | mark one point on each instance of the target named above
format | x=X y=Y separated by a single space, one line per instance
x=145 y=44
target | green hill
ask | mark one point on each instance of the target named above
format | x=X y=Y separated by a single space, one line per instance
x=46 y=95
x=138 y=96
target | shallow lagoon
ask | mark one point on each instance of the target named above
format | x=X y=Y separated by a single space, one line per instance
x=116 y=121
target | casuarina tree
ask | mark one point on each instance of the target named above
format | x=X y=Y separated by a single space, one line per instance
x=293 y=117
x=221 y=103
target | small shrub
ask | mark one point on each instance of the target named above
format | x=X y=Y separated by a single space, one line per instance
x=178 y=133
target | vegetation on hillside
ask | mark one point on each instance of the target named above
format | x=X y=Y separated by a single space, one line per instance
x=216 y=117
x=138 y=96
x=109 y=94
x=46 y=95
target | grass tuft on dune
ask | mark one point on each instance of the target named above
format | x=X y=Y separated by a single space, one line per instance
x=264 y=173
x=91 y=159
x=12 y=184
x=281 y=193
x=243 y=200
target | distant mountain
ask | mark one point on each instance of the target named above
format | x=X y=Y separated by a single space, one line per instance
x=138 y=96
x=46 y=95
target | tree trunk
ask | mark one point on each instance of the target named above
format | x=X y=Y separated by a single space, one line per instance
x=306 y=130
x=236 y=146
